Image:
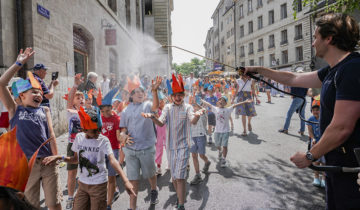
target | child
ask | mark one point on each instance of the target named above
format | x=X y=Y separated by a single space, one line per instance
x=160 y=136
x=212 y=99
x=75 y=99
x=177 y=117
x=111 y=130
x=314 y=135
x=222 y=128
x=198 y=138
x=90 y=148
x=34 y=127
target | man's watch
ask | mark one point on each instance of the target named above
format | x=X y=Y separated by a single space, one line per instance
x=310 y=156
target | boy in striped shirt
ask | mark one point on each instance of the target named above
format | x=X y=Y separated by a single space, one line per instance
x=177 y=116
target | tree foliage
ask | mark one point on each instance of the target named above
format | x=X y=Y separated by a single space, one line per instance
x=195 y=65
x=345 y=6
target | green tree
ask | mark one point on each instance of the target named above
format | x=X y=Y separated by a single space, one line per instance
x=195 y=65
x=346 y=6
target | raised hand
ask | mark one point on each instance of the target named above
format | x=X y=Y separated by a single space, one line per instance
x=78 y=80
x=156 y=84
x=24 y=56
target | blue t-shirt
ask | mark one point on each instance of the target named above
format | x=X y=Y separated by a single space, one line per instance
x=211 y=100
x=299 y=91
x=45 y=89
x=315 y=127
x=342 y=82
x=31 y=130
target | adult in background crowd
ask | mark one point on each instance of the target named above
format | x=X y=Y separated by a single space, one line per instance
x=90 y=84
x=335 y=39
x=105 y=85
x=40 y=71
x=114 y=82
x=190 y=80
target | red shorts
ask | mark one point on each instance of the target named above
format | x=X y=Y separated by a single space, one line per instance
x=4 y=120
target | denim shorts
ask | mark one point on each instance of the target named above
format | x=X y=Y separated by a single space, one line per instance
x=221 y=139
x=198 y=145
x=140 y=159
x=111 y=170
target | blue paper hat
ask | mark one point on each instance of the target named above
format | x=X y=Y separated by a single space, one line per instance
x=211 y=87
x=109 y=97
x=20 y=86
x=161 y=95
x=99 y=121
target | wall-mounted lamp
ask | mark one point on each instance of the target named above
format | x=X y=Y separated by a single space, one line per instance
x=105 y=24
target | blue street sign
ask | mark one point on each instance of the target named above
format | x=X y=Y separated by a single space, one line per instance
x=42 y=11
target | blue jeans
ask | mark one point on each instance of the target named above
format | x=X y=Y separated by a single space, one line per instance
x=295 y=104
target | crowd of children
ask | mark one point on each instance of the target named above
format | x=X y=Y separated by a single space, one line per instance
x=126 y=126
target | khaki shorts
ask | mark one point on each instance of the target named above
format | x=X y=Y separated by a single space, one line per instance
x=91 y=197
x=49 y=177
x=137 y=160
x=70 y=153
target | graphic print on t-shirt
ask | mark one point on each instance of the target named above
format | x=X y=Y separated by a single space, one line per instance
x=84 y=162
x=107 y=127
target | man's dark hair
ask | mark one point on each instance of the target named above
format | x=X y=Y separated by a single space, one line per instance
x=343 y=29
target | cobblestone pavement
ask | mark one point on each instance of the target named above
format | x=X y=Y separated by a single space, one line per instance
x=259 y=175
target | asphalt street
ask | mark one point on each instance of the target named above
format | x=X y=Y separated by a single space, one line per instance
x=259 y=173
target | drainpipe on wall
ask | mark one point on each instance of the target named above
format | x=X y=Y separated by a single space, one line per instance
x=20 y=30
x=234 y=8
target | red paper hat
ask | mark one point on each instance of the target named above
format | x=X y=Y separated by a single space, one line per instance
x=177 y=85
x=14 y=167
x=132 y=84
x=85 y=120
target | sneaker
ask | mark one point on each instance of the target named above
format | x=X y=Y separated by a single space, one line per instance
x=196 y=180
x=158 y=171
x=220 y=155
x=210 y=140
x=154 y=197
x=223 y=163
x=206 y=167
x=283 y=131
x=316 y=182
x=181 y=207
x=323 y=183
x=69 y=203
x=116 y=196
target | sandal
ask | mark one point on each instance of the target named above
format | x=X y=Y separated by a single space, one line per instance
x=283 y=131
x=249 y=127
x=244 y=133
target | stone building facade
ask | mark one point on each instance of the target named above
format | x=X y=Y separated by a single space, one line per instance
x=263 y=32
x=76 y=36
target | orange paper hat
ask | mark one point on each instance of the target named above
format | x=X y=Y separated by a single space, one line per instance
x=23 y=85
x=177 y=85
x=86 y=122
x=66 y=96
x=14 y=167
x=99 y=98
x=132 y=84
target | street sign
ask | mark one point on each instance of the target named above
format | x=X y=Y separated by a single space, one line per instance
x=43 y=12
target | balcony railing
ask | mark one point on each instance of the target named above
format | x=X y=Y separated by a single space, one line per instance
x=297 y=37
x=284 y=42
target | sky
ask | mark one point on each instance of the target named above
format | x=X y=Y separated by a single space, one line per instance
x=190 y=21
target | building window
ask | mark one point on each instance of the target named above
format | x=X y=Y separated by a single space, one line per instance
x=148 y=7
x=137 y=14
x=228 y=50
x=241 y=11
x=251 y=48
x=232 y=32
x=271 y=41
x=261 y=61
x=271 y=17
x=283 y=10
x=242 y=31
x=299 y=53
x=251 y=62
x=222 y=41
x=284 y=57
x=251 y=29
x=221 y=26
x=298 y=32
x=112 y=5
x=128 y=14
x=227 y=34
x=259 y=3
x=272 y=59
x=261 y=45
x=250 y=8
x=284 y=39
x=260 y=22
x=242 y=51
x=242 y=63
x=298 y=5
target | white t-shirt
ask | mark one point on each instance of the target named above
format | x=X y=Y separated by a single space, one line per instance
x=91 y=153
x=190 y=81
x=222 y=118
x=105 y=87
x=241 y=83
